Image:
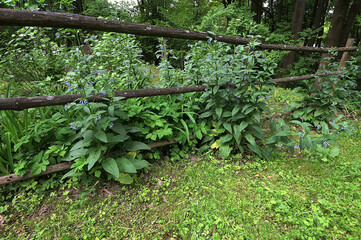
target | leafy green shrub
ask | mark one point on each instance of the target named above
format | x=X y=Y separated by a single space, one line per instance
x=30 y=57
x=326 y=95
x=240 y=84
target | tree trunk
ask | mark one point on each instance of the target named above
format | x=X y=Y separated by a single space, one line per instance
x=318 y=19
x=256 y=7
x=349 y=22
x=338 y=21
x=280 y=11
x=296 y=27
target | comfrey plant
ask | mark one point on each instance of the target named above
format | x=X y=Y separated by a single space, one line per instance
x=239 y=81
x=101 y=135
x=168 y=75
x=101 y=138
x=326 y=95
x=120 y=54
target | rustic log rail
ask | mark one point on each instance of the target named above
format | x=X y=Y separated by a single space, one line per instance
x=63 y=20
x=66 y=166
x=21 y=103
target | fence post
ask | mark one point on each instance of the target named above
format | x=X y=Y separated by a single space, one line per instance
x=345 y=55
x=343 y=60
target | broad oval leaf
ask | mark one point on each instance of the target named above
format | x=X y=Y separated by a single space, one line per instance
x=124 y=178
x=226 y=138
x=227 y=126
x=93 y=158
x=224 y=151
x=110 y=166
x=101 y=136
x=125 y=165
x=133 y=146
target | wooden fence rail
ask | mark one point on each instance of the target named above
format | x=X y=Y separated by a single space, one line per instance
x=21 y=103
x=66 y=166
x=63 y=20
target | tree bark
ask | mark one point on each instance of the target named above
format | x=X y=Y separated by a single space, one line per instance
x=337 y=23
x=333 y=37
x=62 y=20
x=296 y=26
x=318 y=19
x=355 y=7
x=280 y=11
x=256 y=8
x=21 y=103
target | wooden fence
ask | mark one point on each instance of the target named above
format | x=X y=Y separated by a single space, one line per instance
x=61 y=20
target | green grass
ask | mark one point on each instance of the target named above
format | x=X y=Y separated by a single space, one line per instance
x=292 y=197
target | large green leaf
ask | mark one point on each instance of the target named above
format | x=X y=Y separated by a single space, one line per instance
x=250 y=139
x=219 y=112
x=243 y=125
x=124 y=178
x=256 y=131
x=249 y=110
x=325 y=129
x=255 y=149
x=237 y=133
x=81 y=144
x=235 y=110
x=298 y=113
x=111 y=110
x=224 y=151
x=110 y=165
x=94 y=156
x=133 y=146
x=75 y=154
x=318 y=112
x=101 y=136
x=226 y=138
x=119 y=128
x=116 y=139
x=139 y=164
x=205 y=115
x=227 y=126
x=245 y=107
x=125 y=165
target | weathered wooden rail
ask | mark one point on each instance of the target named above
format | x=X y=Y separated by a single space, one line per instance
x=64 y=20
x=21 y=103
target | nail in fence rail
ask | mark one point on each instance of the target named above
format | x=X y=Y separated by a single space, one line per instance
x=21 y=103
x=63 y=20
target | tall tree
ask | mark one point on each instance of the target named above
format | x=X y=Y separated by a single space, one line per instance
x=256 y=8
x=318 y=19
x=354 y=10
x=296 y=26
x=337 y=23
